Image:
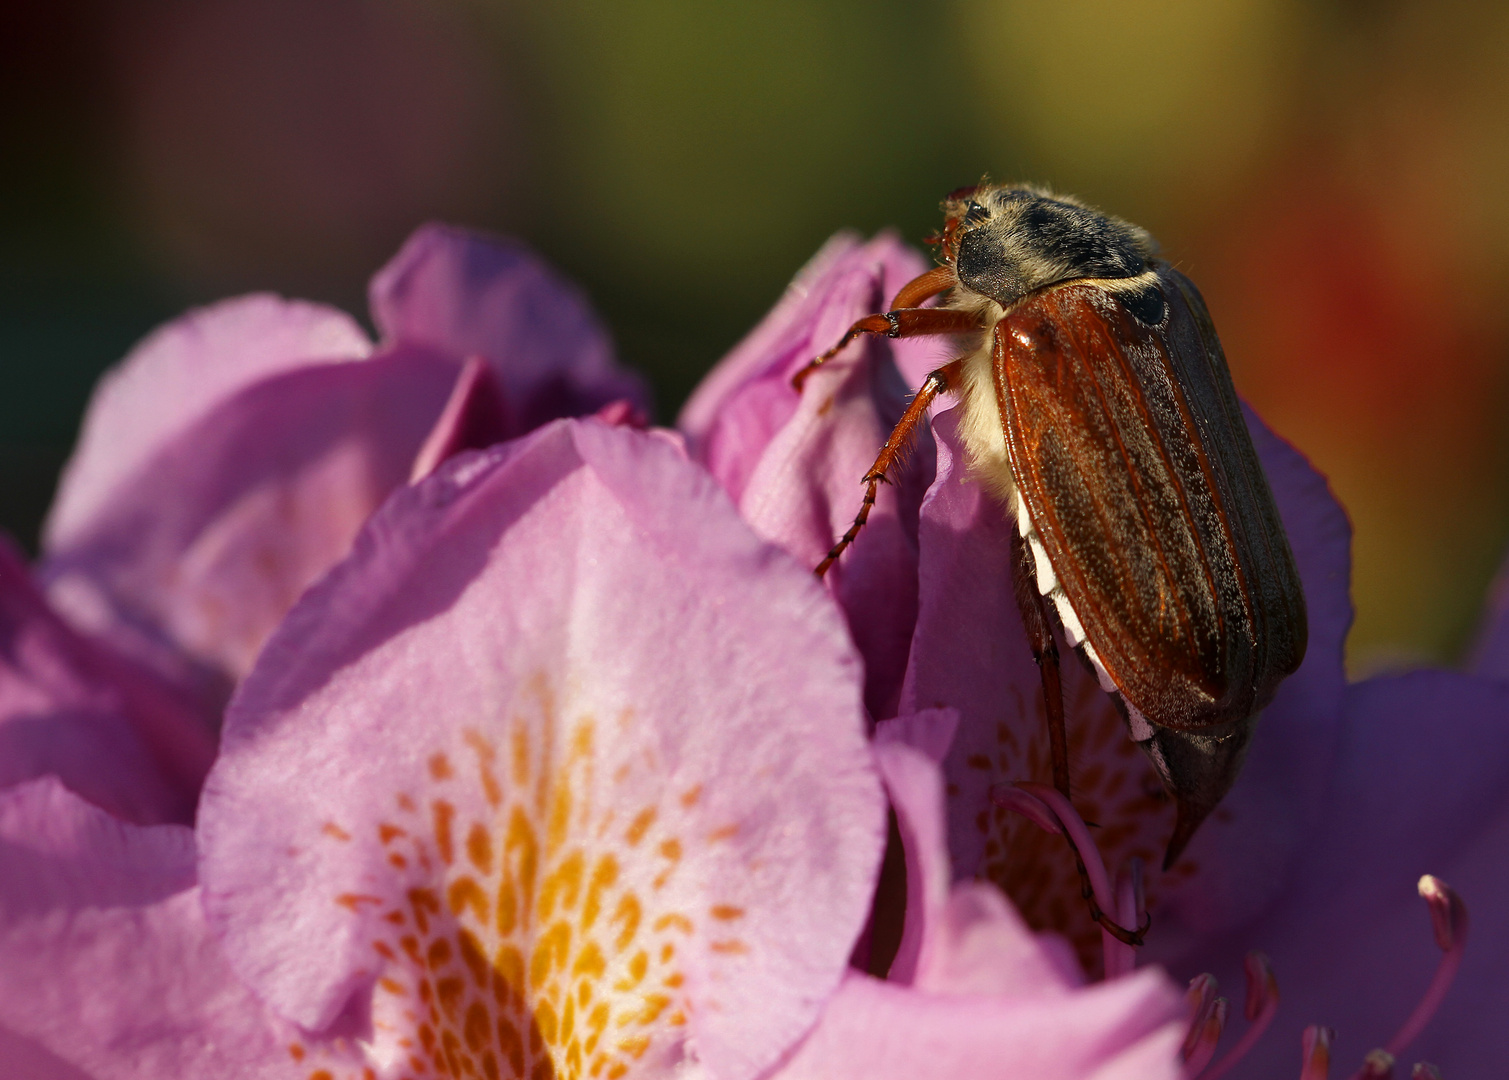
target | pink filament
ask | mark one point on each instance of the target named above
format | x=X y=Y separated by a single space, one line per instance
x=1119 y=957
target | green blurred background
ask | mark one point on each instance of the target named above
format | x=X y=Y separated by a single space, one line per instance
x=1332 y=174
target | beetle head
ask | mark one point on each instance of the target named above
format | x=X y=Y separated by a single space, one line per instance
x=1006 y=242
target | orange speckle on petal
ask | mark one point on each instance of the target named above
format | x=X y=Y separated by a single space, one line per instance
x=727 y=911
x=479 y=848
x=331 y=829
x=671 y=849
x=724 y=832
x=440 y=767
x=388 y=832
x=640 y=825
x=355 y=900
x=296 y=1052
x=465 y=893
x=444 y=814
x=733 y=947
x=690 y=796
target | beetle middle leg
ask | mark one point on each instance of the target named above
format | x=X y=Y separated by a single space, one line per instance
x=1035 y=619
x=945 y=378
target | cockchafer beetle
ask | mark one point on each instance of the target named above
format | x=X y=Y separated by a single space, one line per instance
x=1098 y=408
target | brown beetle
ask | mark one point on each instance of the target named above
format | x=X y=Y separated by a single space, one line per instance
x=1097 y=406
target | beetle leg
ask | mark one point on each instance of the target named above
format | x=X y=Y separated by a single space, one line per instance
x=939 y=381
x=925 y=286
x=1035 y=618
x=1045 y=652
x=898 y=323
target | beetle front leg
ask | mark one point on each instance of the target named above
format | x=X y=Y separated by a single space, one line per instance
x=938 y=382
x=898 y=323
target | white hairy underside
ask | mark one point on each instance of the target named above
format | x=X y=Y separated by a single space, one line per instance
x=984 y=433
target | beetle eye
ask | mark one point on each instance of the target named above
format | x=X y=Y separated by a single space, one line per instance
x=976 y=213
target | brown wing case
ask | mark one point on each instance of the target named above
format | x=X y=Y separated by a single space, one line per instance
x=1130 y=449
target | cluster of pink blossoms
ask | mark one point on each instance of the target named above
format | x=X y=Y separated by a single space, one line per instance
x=411 y=710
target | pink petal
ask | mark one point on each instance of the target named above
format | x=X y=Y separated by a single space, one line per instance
x=178 y=375
x=915 y=786
x=210 y=542
x=110 y=971
x=1420 y=785
x=470 y=294
x=69 y=707
x=1129 y=1029
x=795 y=463
x=560 y=711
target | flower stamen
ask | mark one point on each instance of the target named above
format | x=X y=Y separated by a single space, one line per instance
x=1315 y=1052
x=1259 y=1009
x=1448 y=916
x=1207 y=1021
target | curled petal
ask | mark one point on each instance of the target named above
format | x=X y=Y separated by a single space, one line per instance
x=178 y=375
x=468 y=294
x=207 y=545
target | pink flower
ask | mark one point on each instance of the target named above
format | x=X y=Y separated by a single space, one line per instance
x=232 y=457
x=1349 y=794
x=568 y=765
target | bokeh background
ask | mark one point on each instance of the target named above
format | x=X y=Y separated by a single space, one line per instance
x=1333 y=174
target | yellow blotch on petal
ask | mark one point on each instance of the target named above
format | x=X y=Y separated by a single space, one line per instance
x=626 y=916
x=551 y=952
x=563 y=885
x=590 y=962
x=671 y=849
x=604 y=876
x=673 y=920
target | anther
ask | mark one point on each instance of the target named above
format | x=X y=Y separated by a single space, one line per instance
x=1259 y=1010
x=1424 y=1070
x=1378 y=1065
x=1204 y=1034
x=1315 y=1052
x=1202 y=1003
